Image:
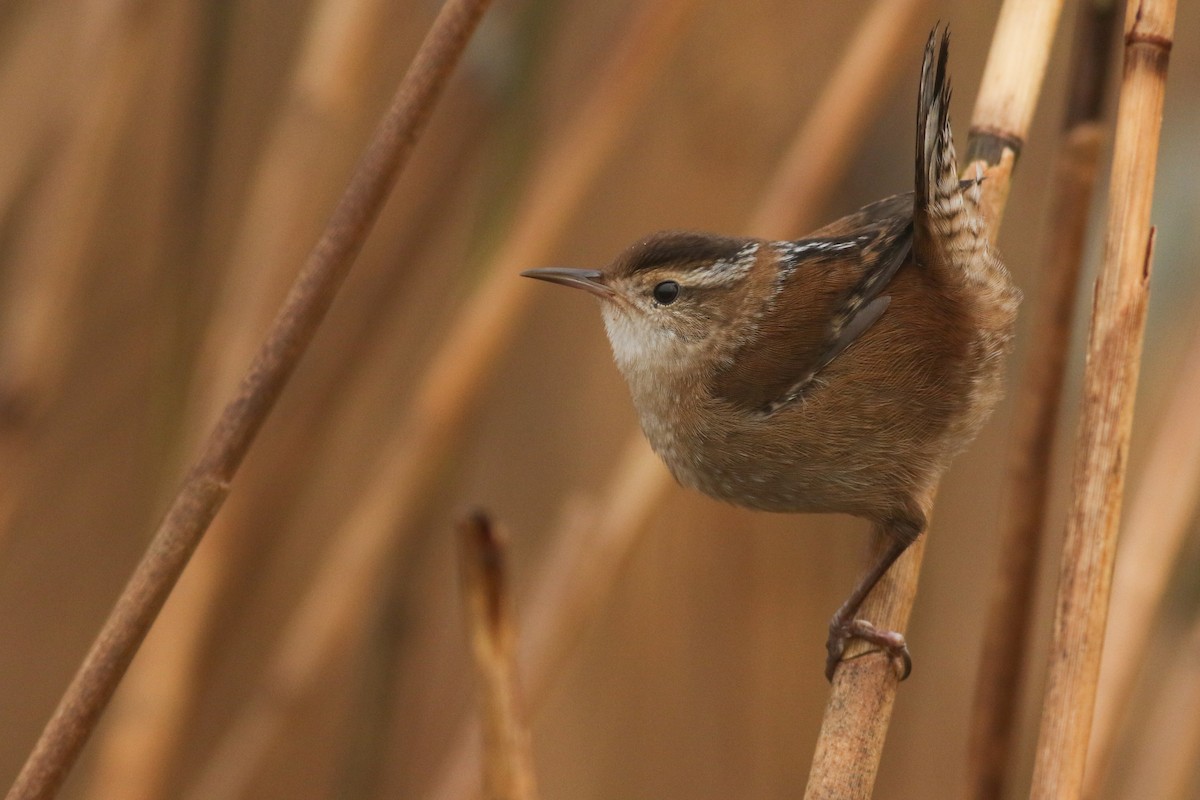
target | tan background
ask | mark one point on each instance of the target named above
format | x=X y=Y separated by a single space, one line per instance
x=702 y=678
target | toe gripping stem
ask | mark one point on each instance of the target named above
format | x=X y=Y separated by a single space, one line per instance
x=845 y=626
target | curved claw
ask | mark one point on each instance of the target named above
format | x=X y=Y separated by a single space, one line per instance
x=891 y=642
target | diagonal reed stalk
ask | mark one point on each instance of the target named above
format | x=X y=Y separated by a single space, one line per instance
x=1035 y=419
x=208 y=481
x=856 y=718
x=578 y=576
x=334 y=606
x=492 y=635
x=1110 y=381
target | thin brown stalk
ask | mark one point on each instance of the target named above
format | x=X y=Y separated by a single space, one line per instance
x=1110 y=381
x=491 y=633
x=580 y=574
x=1167 y=751
x=154 y=708
x=860 y=703
x=332 y=608
x=208 y=481
x=1152 y=540
x=1006 y=631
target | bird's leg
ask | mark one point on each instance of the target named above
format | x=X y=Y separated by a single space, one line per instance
x=843 y=627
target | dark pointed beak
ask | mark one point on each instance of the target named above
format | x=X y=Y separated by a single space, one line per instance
x=590 y=280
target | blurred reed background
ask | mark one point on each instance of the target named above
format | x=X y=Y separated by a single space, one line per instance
x=166 y=166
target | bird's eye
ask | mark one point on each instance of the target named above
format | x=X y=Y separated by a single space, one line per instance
x=666 y=292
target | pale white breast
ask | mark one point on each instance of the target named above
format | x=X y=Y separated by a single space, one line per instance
x=654 y=362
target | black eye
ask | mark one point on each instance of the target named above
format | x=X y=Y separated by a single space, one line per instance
x=666 y=292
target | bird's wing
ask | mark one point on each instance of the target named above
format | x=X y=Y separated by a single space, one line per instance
x=828 y=292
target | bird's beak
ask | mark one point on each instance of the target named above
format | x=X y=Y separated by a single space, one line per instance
x=590 y=280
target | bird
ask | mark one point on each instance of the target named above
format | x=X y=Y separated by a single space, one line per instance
x=840 y=372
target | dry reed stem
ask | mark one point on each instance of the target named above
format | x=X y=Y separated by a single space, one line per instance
x=492 y=635
x=208 y=481
x=1167 y=750
x=580 y=574
x=334 y=604
x=154 y=708
x=1006 y=630
x=1159 y=521
x=864 y=690
x=590 y=551
x=856 y=718
x=1110 y=381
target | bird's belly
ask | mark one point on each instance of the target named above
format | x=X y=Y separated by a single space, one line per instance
x=767 y=467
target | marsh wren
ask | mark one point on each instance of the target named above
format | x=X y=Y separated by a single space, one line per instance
x=835 y=373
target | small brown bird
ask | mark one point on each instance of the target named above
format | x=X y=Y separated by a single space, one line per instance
x=836 y=373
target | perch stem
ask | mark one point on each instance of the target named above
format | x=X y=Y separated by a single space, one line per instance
x=850 y=744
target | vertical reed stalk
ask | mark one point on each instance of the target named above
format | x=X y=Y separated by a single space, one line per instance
x=1110 y=381
x=1006 y=630
x=1160 y=518
x=859 y=709
x=208 y=482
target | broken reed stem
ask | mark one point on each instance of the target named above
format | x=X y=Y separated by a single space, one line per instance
x=308 y=146
x=589 y=553
x=333 y=606
x=491 y=634
x=850 y=744
x=1159 y=521
x=1110 y=382
x=208 y=481
x=1006 y=631
x=579 y=577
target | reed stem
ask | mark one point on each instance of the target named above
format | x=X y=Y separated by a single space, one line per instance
x=1110 y=381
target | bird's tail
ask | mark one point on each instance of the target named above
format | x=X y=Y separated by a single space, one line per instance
x=949 y=229
x=937 y=169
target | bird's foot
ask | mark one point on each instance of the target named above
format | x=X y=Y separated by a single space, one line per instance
x=842 y=631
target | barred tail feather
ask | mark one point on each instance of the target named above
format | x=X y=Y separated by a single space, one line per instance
x=937 y=170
